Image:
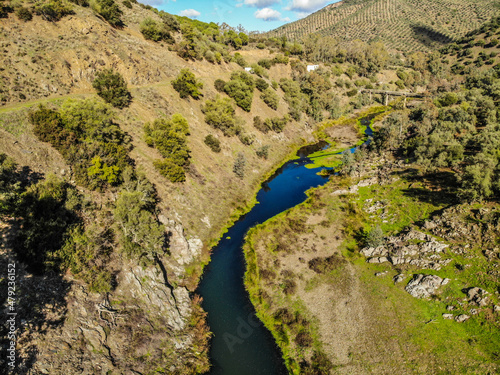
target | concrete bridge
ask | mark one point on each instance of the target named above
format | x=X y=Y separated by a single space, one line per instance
x=387 y=94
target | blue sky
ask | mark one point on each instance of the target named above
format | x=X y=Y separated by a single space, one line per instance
x=261 y=15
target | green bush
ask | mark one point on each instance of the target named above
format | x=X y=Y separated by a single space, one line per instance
x=213 y=143
x=187 y=85
x=154 y=31
x=240 y=88
x=86 y=136
x=375 y=237
x=53 y=10
x=112 y=88
x=219 y=113
x=270 y=98
x=169 y=169
x=240 y=60
x=276 y=124
x=265 y=63
x=127 y=4
x=24 y=14
x=169 y=137
x=239 y=165
x=140 y=235
x=219 y=85
x=110 y=11
x=263 y=152
x=261 y=84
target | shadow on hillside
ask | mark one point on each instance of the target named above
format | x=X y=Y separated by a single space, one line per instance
x=40 y=304
x=427 y=35
x=439 y=188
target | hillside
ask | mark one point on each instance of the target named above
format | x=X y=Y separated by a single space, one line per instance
x=107 y=247
x=403 y=25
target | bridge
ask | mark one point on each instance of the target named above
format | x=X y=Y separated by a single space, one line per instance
x=387 y=94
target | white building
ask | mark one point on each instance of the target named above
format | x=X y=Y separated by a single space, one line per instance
x=310 y=68
x=249 y=70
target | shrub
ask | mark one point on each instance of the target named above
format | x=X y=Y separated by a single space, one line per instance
x=86 y=136
x=112 y=88
x=240 y=88
x=140 y=235
x=240 y=60
x=352 y=93
x=265 y=63
x=187 y=85
x=375 y=237
x=260 y=125
x=239 y=165
x=154 y=31
x=219 y=85
x=261 y=84
x=213 y=143
x=246 y=139
x=169 y=169
x=263 y=152
x=24 y=14
x=325 y=265
x=280 y=59
x=127 y=4
x=110 y=11
x=53 y=10
x=258 y=70
x=169 y=137
x=270 y=98
x=276 y=124
x=45 y=219
x=219 y=113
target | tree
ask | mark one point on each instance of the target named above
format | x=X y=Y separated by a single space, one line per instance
x=112 y=88
x=213 y=143
x=154 y=31
x=375 y=237
x=239 y=165
x=187 y=85
x=270 y=98
x=110 y=11
x=219 y=113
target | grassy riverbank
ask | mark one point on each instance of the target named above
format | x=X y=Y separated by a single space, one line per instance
x=330 y=310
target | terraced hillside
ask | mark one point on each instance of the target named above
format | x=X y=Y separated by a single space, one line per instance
x=405 y=25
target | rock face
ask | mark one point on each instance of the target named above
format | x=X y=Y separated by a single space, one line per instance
x=478 y=296
x=182 y=250
x=410 y=247
x=423 y=286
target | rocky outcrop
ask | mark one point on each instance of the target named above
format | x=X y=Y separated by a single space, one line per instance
x=478 y=296
x=423 y=286
x=410 y=247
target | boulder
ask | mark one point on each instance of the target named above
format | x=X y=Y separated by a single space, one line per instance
x=423 y=286
x=478 y=296
x=448 y=316
x=462 y=318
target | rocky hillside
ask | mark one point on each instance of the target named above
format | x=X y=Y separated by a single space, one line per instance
x=404 y=25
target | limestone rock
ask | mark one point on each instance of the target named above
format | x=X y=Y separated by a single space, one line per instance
x=398 y=278
x=448 y=316
x=478 y=296
x=462 y=318
x=423 y=286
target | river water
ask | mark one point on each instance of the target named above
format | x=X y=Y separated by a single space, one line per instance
x=241 y=344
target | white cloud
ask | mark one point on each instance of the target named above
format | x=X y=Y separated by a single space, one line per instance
x=239 y=5
x=261 y=3
x=191 y=13
x=286 y=19
x=306 y=5
x=268 y=14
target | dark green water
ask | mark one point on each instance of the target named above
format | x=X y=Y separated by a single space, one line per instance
x=241 y=344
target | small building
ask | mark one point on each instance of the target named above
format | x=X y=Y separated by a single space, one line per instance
x=248 y=69
x=310 y=68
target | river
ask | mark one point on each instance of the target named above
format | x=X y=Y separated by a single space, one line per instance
x=241 y=345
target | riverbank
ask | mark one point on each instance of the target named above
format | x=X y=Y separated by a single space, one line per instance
x=331 y=310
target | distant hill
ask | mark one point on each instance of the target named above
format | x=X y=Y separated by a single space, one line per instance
x=405 y=25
